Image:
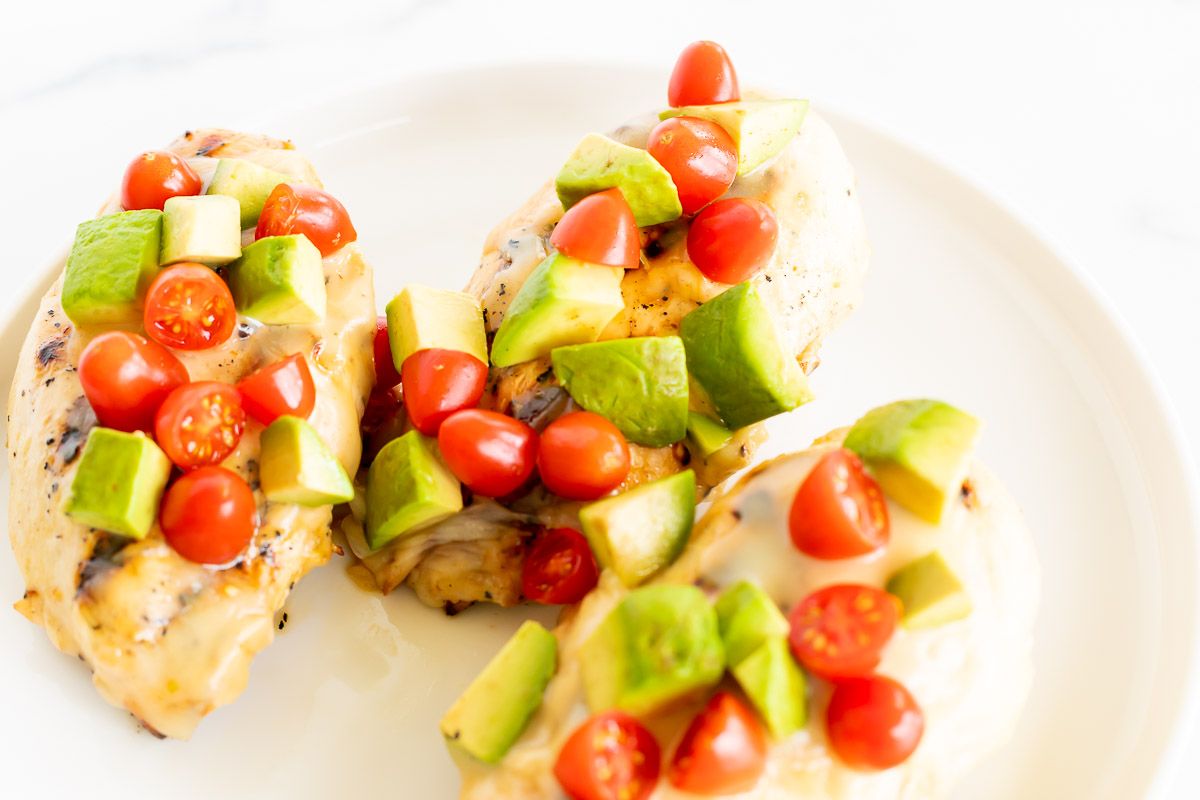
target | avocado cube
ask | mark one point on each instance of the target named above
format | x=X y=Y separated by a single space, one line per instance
x=734 y=352
x=563 y=301
x=203 y=229
x=422 y=318
x=638 y=384
x=111 y=264
x=919 y=451
x=408 y=488
x=280 y=280
x=775 y=686
x=707 y=434
x=248 y=183
x=492 y=713
x=929 y=593
x=296 y=466
x=748 y=617
x=760 y=128
x=118 y=483
x=600 y=163
x=638 y=532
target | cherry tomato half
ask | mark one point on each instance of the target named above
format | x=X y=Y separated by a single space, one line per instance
x=560 y=568
x=703 y=74
x=873 y=722
x=839 y=510
x=492 y=454
x=723 y=751
x=155 y=177
x=285 y=387
x=200 y=423
x=386 y=374
x=732 y=239
x=701 y=157
x=612 y=756
x=439 y=382
x=582 y=456
x=600 y=229
x=208 y=515
x=305 y=209
x=840 y=631
x=189 y=307
x=126 y=377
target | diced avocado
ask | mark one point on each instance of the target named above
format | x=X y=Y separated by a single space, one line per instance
x=748 y=617
x=760 y=128
x=660 y=645
x=929 y=592
x=279 y=280
x=600 y=163
x=421 y=318
x=919 y=451
x=204 y=229
x=248 y=183
x=639 y=384
x=119 y=483
x=706 y=433
x=111 y=264
x=563 y=301
x=296 y=466
x=408 y=488
x=490 y=715
x=640 y=531
x=775 y=685
x=734 y=352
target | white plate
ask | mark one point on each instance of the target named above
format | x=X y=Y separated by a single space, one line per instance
x=963 y=303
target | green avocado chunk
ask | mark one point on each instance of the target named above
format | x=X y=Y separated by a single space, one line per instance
x=248 y=183
x=279 y=280
x=919 y=451
x=563 y=301
x=408 y=488
x=760 y=128
x=640 y=531
x=203 y=229
x=748 y=617
x=600 y=163
x=734 y=352
x=423 y=318
x=638 y=384
x=119 y=483
x=111 y=264
x=775 y=685
x=707 y=434
x=659 y=646
x=492 y=713
x=296 y=466
x=929 y=593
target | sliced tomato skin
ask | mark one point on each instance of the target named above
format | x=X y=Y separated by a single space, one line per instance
x=560 y=568
x=493 y=454
x=189 y=307
x=126 y=377
x=723 y=750
x=611 y=756
x=840 y=631
x=701 y=157
x=209 y=515
x=154 y=177
x=600 y=229
x=437 y=383
x=294 y=208
x=703 y=75
x=283 y=388
x=873 y=722
x=200 y=424
x=732 y=239
x=386 y=374
x=839 y=511
x=582 y=456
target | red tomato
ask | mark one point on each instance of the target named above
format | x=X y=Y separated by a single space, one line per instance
x=610 y=757
x=386 y=374
x=383 y=406
x=208 y=515
x=732 y=239
x=439 y=382
x=155 y=177
x=560 y=568
x=723 y=751
x=700 y=155
x=200 y=423
x=492 y=454
x=839 y=510
x=582 y=456
x=189 y=307
x=841 y=630
x=126 y=377
x=703 y=75
x=285 y=387
x=600 y=229
x=873 y=722
x=307 y=210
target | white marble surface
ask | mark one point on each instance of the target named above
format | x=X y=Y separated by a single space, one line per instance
x=1081 y=116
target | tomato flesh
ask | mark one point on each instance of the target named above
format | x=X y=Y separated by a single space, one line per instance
x=208 y=515
x=582 y=456
x=703 y=74
x=126 y=377
x=189 y=307
x=492 y=454
x=600 y=229
x=155 y=177
x=723 y=750
x=292 y=209
x=612 y=756
x=701 y=157
x=200 y=424
x=732 y=239
x=560 y=568
x=439 y=382
x=873 y=722
x=840 y=631
x=285 y=387
x=839 y=510
x=386 y=374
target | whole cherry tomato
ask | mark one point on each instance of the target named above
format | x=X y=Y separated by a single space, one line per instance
x=612 y=756
x=703 y=75
x=189 y=307
x=492 y=454
x=701 y=157
x=208 y=515
x=386 y=374
x=732 y=239
x=285 y=387
x=199 y=424
x=439 y=382
x=560 y=568
x=155 y=177
x=582 y=456
x=292 y=209
x=873 y=722
x=723 y=751
x=840 y=631
x=600 y=229
x=839 y=510
x=126 y=377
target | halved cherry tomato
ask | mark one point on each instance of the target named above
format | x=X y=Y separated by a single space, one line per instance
x=582 y=456
x=386 y=374
x=126 y=377
x=873 y=722
x=732 y=239
x=600 y=229
x=703 y=74
x=839 y=510
x=439 y=382
x=560 y=568
x=723 y=751
x=200 y=423
x=384 y=411
x=492 y=454
x=155 y=177
x=612 y=756
x=840 y=631
x=189 y=307
x=208 y=515
x=701 y=157
x=305 y=209
x=285 y=387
